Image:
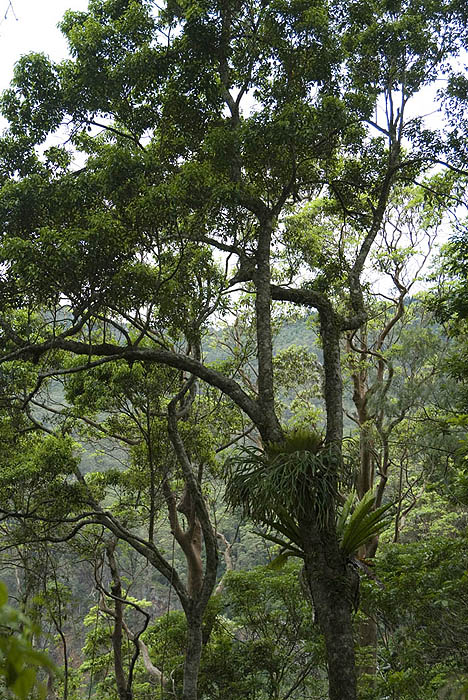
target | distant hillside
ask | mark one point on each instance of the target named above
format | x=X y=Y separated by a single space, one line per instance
x=297 y=332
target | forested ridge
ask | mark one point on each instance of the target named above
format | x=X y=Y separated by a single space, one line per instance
x=233 y=354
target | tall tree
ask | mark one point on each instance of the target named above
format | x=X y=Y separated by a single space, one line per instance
x=136 y=411
x=200 y=126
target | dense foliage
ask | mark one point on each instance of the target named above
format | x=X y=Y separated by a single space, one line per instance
x=215 y=362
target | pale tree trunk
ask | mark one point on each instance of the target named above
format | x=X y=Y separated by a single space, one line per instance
x=367 y=628
x=202 y=571
x=368 y=641
x=51 y=694
x=366 y=417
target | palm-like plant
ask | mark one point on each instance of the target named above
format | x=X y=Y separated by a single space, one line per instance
x=360 y=521
x=276 y=486
x=286 y=479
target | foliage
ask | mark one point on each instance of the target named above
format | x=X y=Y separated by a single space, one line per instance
x=287 y=480
x=421 y=608
x=19 y=661
x=298 y=379
x=272 y=487
x=254 y=143
x=356 y=526
x=262 y=639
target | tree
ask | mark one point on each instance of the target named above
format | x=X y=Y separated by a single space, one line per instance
x=178 y=166
x=126 y=409
x=419 y=605
x=19 y=661
x=262 y=645
x=386 y=389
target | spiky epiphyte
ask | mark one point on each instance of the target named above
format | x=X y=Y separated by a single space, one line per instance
x=286 y=481
x=297 y=440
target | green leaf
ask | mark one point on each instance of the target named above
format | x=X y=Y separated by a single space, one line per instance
x=363 y=524
x=24 y=683
x=278 y=562
x=3 y=594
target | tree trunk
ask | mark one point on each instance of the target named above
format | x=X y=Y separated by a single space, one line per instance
x=331 y=582
x=51 y=694
x=332 y=588
x=367 y=629
x=266 y=396
x=193 y=651
x=125 y=693
x=368 y=640
x=330 y=334
x=201 y=583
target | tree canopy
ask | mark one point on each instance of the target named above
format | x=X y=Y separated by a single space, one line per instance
x=216 y=154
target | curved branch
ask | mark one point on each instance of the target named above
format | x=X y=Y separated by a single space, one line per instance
x=113 y=353
x=209 y=536
x=302 y=297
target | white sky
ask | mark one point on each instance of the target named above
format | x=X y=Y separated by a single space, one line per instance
x=31 y=25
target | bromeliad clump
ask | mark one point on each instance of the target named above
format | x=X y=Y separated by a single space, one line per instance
x=276 y=485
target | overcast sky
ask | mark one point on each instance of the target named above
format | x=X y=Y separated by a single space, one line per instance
x=31 y=25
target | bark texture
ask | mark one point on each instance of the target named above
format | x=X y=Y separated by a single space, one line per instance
x=262 y=279
x=331 y=586
x=331 y=582
x=193 y=652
